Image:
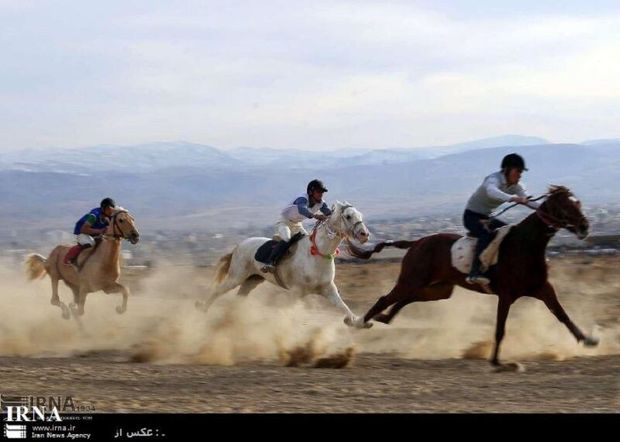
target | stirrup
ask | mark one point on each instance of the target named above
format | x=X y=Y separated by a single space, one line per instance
x=268 y=268
x=478 y=279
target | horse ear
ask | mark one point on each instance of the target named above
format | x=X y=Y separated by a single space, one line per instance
x=553 y=188
x=336 y=207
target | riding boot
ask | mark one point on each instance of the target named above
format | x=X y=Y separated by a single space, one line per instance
x=475 y=275
x=72 y=254
x=276 y=253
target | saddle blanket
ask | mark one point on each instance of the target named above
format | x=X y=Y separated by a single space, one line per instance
x=463 y=251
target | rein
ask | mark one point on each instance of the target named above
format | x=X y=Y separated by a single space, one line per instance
x=551 y=221
x=517 y=204
x=314 y=249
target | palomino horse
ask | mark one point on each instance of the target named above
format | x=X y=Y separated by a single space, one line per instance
x=427 y=273
x=99 y=266
x=310 y=269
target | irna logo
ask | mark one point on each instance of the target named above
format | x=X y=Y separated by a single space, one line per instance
x=21 y=413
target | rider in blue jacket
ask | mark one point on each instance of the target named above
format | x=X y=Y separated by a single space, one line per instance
x=91 y=225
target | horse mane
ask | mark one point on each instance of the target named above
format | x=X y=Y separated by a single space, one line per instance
x=554 y=188
x=339 y=206
x=336 y=207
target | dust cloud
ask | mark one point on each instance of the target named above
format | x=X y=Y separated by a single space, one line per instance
x=162 y=326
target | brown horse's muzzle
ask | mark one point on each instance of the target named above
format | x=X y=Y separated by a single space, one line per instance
x=580 y=228
x=583 y=230
x=134 y=238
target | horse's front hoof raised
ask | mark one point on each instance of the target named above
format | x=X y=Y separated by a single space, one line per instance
x=590 y=341
x=120 y=309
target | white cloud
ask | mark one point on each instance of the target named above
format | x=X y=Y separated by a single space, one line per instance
x=305 y=74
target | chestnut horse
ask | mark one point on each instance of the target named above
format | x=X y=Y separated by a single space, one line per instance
x=99 y=266
x=427 y=273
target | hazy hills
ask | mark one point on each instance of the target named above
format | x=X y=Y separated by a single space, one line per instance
x=185 y=185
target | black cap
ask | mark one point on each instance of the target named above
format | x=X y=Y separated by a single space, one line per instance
x=107 y=202
x=513 y=160
x=316 y=185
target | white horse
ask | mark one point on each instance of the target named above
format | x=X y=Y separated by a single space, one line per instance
x=310 y=269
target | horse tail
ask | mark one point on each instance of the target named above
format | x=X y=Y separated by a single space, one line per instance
x=36 y=266
x=358 y=252
x=223 y=266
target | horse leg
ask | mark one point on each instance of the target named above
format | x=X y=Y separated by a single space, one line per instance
x=76 y=295
x=386 y=318
x=431 y=293
x=249 y=284
x=549 y=297
x=115 y=288
x=331 y=292
x=503 y=307
x=79 y=309
x=229 y=284
x=56 y=299
x=397 y=294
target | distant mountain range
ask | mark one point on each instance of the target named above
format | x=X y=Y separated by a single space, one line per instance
x=164 y=155
x=192 y=186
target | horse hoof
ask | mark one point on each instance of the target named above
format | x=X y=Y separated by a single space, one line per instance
x=590 y=341
x=200 y=305
x=512 y=367
x=357 y=323
x=120 y=310
x=66 y=314
x=75 y=310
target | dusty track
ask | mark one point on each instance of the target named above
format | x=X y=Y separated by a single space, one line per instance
x=234 y=359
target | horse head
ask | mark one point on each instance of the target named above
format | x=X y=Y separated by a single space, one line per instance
x=563 y=210
x=347 y=221
x=123 y=225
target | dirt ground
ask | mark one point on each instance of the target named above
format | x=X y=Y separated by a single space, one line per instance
x=260 y=354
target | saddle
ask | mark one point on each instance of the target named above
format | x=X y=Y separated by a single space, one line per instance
x=464 y=249
x=87 y=253
x=263 y=253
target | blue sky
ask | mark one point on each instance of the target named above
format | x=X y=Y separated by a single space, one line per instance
x=312 y=75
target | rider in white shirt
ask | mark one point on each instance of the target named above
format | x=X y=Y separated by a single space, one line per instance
x=496 y=189
x=310 y=205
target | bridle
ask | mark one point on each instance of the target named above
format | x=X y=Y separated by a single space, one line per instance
x=554 y=222
x=331 y=234
x=116 y=226
x=551 y=221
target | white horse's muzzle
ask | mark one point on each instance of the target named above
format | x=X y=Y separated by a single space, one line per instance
x=361 y=233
